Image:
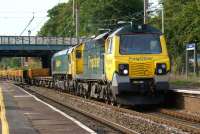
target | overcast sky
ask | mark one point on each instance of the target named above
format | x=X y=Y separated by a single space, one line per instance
x=15 y=15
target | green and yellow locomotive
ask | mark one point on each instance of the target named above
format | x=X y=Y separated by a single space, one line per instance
x=128 y=66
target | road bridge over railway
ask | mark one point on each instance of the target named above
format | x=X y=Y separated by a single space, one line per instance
x=33 y=46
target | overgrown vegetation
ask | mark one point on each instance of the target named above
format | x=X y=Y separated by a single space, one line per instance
x=6 y=63
x=94 y=14
x=15 y=63
x=182 y=19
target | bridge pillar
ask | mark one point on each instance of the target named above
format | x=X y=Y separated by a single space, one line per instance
x=46 y=61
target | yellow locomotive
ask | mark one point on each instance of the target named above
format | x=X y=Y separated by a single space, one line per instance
x=128 y=66
x=137 y=63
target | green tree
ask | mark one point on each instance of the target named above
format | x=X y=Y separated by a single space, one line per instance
x=10 y=62
x=94 y=14
x=59 y=23
x=181 y=26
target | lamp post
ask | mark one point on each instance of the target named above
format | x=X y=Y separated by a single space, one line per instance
x=29 y=34
x=70 y=33
x=26 y=58
x=76 y=17
x=145 y=10
x=186 y=61
x=163 y=19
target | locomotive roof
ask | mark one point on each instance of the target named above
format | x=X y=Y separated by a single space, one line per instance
x=135 y=29
x=99 y=40
x=102 y=36
x=71 y=49
x=61 y=52
x=65 y=52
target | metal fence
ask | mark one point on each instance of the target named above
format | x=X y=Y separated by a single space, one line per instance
x=36 y=40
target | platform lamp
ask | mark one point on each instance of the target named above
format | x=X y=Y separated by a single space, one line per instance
x=26 y=58
x=29 y=34
x=70 y=33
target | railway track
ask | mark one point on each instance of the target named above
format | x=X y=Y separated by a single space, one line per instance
x=180 y=115
x=125 y=120
x=172 y=113
x=184 y=122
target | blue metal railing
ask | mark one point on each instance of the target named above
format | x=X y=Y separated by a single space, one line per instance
x=36 y=40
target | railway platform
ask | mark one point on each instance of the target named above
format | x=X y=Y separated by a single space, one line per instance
x=186 y=98
x=187 y=90
x=23 y=113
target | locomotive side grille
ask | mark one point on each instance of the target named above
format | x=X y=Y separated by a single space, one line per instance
x=145 y=69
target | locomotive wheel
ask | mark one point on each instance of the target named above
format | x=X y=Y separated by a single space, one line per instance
x=119 y=105
x=111 y=96
x=112 y=101
x=85 y=93
x=66 y=85
x=77 y=88
x=106 y=96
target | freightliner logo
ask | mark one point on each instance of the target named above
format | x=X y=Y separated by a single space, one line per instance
x=140 y=59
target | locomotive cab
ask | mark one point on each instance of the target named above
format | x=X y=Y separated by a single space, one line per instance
x=77 y=61
x=137 y=62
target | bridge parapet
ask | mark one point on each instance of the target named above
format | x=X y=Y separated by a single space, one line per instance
x=36 y=40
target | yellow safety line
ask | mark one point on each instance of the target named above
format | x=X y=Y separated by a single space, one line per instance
x=4 y=122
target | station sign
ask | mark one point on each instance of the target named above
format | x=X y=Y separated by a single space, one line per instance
x=191 y=46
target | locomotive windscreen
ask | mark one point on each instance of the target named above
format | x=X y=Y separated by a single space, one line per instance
x=140 y=44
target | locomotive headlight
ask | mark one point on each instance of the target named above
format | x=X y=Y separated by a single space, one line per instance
x=123 y=69
x=163 y=66
x=125 y=72
x=121 y=66
x=161 y=69
x=140 y=27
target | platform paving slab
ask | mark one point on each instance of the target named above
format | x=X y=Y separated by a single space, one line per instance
x=25 y=115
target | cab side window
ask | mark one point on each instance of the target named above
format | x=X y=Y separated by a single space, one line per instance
x=110 y=45
x=69 y=59
x=54 y=64
x=78 y=54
